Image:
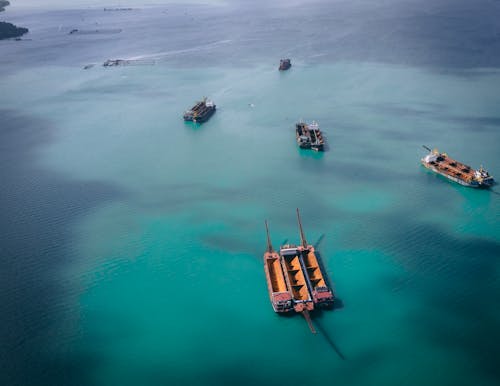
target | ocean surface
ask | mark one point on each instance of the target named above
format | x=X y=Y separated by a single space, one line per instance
x=131 y=242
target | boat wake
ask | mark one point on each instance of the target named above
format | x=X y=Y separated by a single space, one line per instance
x=166 y=54
x=329 y=340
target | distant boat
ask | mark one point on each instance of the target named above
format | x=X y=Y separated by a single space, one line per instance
x=456 y=171
x=201 y=111
x=285 y=64
x=115 y=62
x=309 y=136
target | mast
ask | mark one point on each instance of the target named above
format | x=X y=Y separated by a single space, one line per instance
x=426 y=148
x=302 y=236
x=269 y=245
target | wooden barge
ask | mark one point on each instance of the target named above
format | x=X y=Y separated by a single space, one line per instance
x=309 y=136
x=442 y=164
x=201 y=111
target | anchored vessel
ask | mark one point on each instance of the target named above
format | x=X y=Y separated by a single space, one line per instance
x=296 y=276
x=201 y=111
x=113 y=62
x=278 y=288
x=321 y=294
x=285 y=64
x=309 y=136
x=456 y=171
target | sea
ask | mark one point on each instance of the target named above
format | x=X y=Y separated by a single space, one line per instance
x=131 y=242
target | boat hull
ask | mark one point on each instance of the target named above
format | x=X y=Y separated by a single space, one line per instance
x=200 y=112
x=296 y=279
x=321 y=294
x=471 y=184
x=279 y=291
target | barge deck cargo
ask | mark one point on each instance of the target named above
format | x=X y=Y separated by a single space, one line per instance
x=279 y=292
x=296 y=277
x=321 y=294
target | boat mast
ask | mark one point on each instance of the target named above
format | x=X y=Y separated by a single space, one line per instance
x=269 y=245
x=302 y=236
x=426 y=148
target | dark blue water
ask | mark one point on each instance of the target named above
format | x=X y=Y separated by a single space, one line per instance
x=131 y=243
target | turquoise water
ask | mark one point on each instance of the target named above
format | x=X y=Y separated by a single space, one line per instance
x=133 y=241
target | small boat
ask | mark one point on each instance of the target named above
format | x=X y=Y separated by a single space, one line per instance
x=115 y=62
x=285 y=64
x=201 y=111
x=309 y=136
x=442 y=164
x=279 y=292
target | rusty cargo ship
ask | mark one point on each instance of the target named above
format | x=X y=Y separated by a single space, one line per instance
x=458 y=172
x=309 y=136
x=201 y=111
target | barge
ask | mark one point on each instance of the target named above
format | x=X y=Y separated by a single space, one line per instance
x=309 y=136
x=285 y=64
x=458 y=172
x=279 y=292
x=321 y=294
x=201 y=111
x=296 y=277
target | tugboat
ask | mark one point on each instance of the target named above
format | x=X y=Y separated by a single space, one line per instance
x=456 y=171
x=309 y=136
x=279 y=291
x=201 y=111
x=285 y=64
x=321 y=294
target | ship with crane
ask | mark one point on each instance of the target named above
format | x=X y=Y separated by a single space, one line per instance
x=296 y=279
x=446 y=166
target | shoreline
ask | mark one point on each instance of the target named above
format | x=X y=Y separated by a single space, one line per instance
x=9 y=30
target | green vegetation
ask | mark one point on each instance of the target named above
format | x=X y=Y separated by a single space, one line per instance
x=3 y=4
x=8 y=30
